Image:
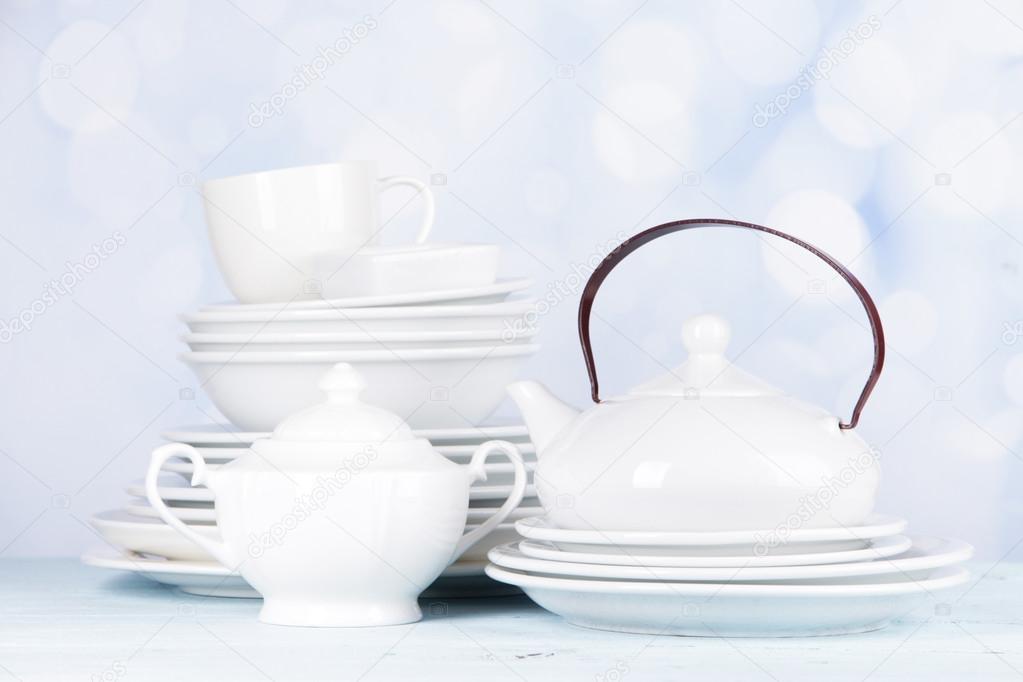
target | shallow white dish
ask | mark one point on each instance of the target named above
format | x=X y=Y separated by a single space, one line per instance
x=211 y=579
x=480 y=514
x=350 y=341
x=483 y=293
x=925 y=556
x=425 y=387
x=226 y=435
x=714 y=543
x=507 y=316
x=206 y=515
x=876 y=549
x=731 y=610
x=150 y=536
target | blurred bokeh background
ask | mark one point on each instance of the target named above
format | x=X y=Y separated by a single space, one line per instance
x=886 y=133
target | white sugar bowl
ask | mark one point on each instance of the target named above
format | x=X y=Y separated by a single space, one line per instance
x=342 y=517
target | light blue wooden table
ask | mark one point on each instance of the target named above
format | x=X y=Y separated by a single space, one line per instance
x=61 y=620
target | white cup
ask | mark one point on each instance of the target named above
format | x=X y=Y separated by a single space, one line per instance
x=280 y=235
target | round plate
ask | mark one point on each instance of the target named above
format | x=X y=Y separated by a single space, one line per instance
x=177 y=491
x=878 y=549
x=186 y=514
x=211 y=435
x=150 y=536
x=925 y=555
x=538 y=528
x=492 y=292
x=731 y=609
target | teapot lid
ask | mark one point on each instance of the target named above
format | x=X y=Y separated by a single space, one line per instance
x=343 y=416
x=707 y=372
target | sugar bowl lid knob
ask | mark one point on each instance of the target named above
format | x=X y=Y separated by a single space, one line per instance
x=343 y=416
x=706 y=335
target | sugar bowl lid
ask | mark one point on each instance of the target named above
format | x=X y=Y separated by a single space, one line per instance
x=343 y=417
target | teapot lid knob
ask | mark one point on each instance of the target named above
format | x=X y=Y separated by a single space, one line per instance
x=706 y=335
x=342 y=384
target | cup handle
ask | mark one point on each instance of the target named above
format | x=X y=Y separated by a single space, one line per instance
x=220 y=551
x=427 y=224
x=477 y=472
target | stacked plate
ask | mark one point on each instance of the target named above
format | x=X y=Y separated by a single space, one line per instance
x=818 y=581
x=438 y=358
x=144 y=544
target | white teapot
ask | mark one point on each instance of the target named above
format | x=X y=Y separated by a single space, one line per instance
x=341 y=517
x=705 y=447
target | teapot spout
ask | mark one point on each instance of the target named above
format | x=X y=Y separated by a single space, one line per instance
x=545 y=415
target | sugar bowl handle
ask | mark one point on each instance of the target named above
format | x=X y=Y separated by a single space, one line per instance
x=477 y=472
x=634 y=242
x=217 y=548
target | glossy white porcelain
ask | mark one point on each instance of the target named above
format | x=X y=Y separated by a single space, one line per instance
x=426 y=293
x=342 y=517
x=762 y=542
x=186 y=514
x=427 y=387
x=150 y=536
x=227 y=435
x=841 y=606
x=918 y=563
x=348 y=341
x=283 y=234
x=505 y=317
x=678 y=452
x=597 y=554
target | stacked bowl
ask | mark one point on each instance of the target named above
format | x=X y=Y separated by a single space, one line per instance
x=431 y=327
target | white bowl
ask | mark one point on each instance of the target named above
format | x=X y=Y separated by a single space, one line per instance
x=505 y=317
x=350 y=341
x=428 y=388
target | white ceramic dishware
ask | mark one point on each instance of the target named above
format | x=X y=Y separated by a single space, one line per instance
x=342 y=517
x=380 y=271
x=508 y=318
x=347 y=341
x=595 y=554
x=675 y=452
x=213 y=579
x=187 y=514
x=227 y=435
x=918 y=563
x=151 y=536
x=713 y=543
x=426 y=387
x=282 y=234
x=495 y=292
x=732 y=610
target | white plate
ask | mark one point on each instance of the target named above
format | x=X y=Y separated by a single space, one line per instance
x=925 y=555
x=877 y=549
x=713 y=543
x=488 y=293
x=351 y=341
x=186 y=514
x=425 y=387
x=507 y=316
x=150 y=536
x=731 y=610
x=227 y=435
x=173 y=490
x=496 y=492
x=210 y=579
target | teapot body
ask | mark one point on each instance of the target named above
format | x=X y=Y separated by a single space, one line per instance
x=692 y=462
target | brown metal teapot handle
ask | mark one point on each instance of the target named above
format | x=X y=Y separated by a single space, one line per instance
x=632 y=243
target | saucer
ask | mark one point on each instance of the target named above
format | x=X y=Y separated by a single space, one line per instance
x=215 y=435
x=877 y=549
x=925 y=556
x=731 y=610
x=711 y=543
x=486 y=293
x=150 y=536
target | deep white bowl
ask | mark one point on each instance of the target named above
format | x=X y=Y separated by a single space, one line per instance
x=504 y=317
x=347 y=341
x=428 y=388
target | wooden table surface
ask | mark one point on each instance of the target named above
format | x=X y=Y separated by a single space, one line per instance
x=62 y=620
